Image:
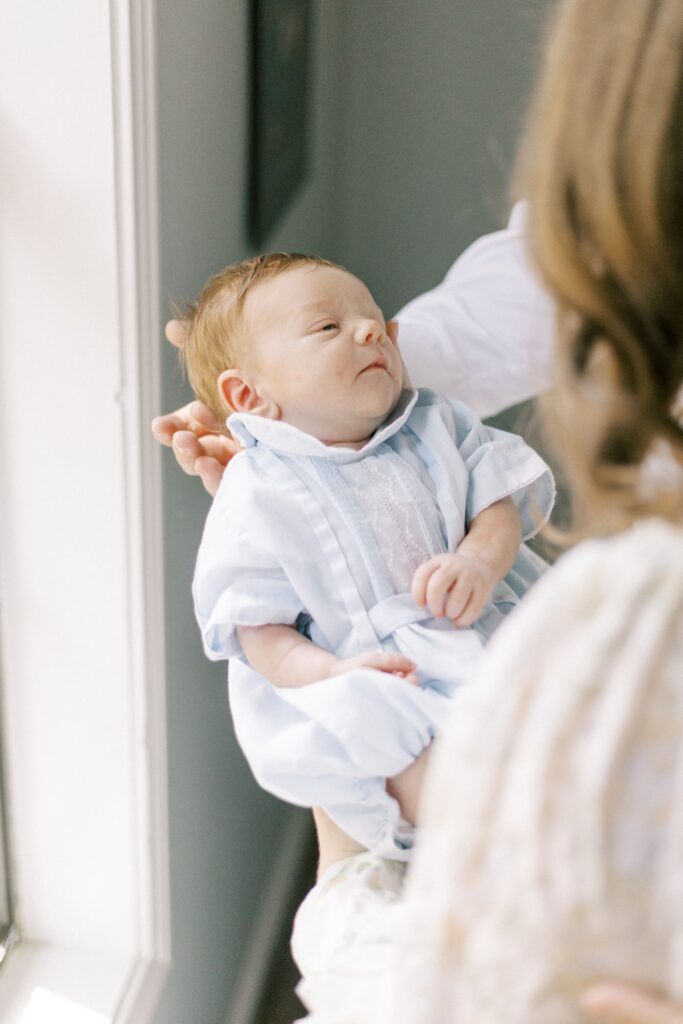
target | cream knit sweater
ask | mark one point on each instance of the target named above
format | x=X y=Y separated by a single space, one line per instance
x=551 y=847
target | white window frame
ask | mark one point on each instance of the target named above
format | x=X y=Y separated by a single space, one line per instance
x=111 y=975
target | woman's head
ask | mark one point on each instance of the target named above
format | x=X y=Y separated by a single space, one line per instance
x=602 y=163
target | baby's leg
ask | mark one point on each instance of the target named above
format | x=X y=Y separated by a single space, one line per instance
x=406 y=787
x=333 y=843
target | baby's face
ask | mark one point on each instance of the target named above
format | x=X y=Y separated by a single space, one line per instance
x=320 y=349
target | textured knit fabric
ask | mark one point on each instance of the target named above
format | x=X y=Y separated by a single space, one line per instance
x=551 y=846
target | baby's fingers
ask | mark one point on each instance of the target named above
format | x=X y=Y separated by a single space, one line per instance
x=465 y=603
x=446 y=579
x=472 y=610
x=410 y=677
x=423 y=573
x=388 y=661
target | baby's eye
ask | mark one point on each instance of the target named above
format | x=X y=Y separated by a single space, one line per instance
x=323 y=326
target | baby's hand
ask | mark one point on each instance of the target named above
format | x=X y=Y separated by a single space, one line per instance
x=383 y=661
x=454 y=585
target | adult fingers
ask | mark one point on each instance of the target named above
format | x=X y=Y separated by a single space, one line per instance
x=218 y=447
x=164 y=427
x=194 y=417
x=210 y=472
x=176 y=333
x=609 y=1003
x=187 y=450
x=203 y=418
x=205 y=456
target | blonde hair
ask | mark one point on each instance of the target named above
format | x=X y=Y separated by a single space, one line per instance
x=215 y=335
x=602 y=164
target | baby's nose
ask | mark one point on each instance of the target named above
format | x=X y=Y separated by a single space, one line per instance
x=368 y=331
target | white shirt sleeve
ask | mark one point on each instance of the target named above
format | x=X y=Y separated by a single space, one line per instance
x=485 y=335
x=238 y=578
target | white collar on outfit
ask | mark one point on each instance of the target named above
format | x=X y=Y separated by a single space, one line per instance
x=283 y=437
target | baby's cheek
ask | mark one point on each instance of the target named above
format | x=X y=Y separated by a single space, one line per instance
x=340 y=370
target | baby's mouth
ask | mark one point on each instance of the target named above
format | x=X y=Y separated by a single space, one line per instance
x=378 y=363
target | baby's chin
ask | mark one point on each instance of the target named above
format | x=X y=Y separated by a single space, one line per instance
x=367 y=418
x=379 y=396
x=354 y=427
x=380 y=406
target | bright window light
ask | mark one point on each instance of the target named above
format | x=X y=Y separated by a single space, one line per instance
x=45 y=1007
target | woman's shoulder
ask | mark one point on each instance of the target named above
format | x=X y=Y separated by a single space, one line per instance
x=649 y=550
x=596 y=594
x=565 y=742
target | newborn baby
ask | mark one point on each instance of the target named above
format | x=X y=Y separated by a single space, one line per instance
x=361 y=548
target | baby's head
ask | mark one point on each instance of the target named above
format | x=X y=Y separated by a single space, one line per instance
x=297 y=338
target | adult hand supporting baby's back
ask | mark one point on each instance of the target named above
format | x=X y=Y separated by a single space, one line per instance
x=195 y=436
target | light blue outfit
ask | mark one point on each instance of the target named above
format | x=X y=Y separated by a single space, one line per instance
x=328 y=538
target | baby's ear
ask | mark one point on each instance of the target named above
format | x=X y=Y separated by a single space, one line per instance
x=392 y=330
x=241 y=394
x=176 y=333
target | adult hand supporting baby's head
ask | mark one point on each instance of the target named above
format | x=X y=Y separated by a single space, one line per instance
x=610 y=1003
x=193 y=433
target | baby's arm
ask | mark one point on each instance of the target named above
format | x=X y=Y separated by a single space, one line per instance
x=287 y=658
x=458 y=585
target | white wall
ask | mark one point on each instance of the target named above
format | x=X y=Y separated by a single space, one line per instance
x=62 y=483
x=434 y=94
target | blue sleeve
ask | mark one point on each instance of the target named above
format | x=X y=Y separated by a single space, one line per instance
x=502 y=465
x=238 y=578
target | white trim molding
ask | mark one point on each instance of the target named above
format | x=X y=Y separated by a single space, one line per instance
x=81 y=574
x=135 y=148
